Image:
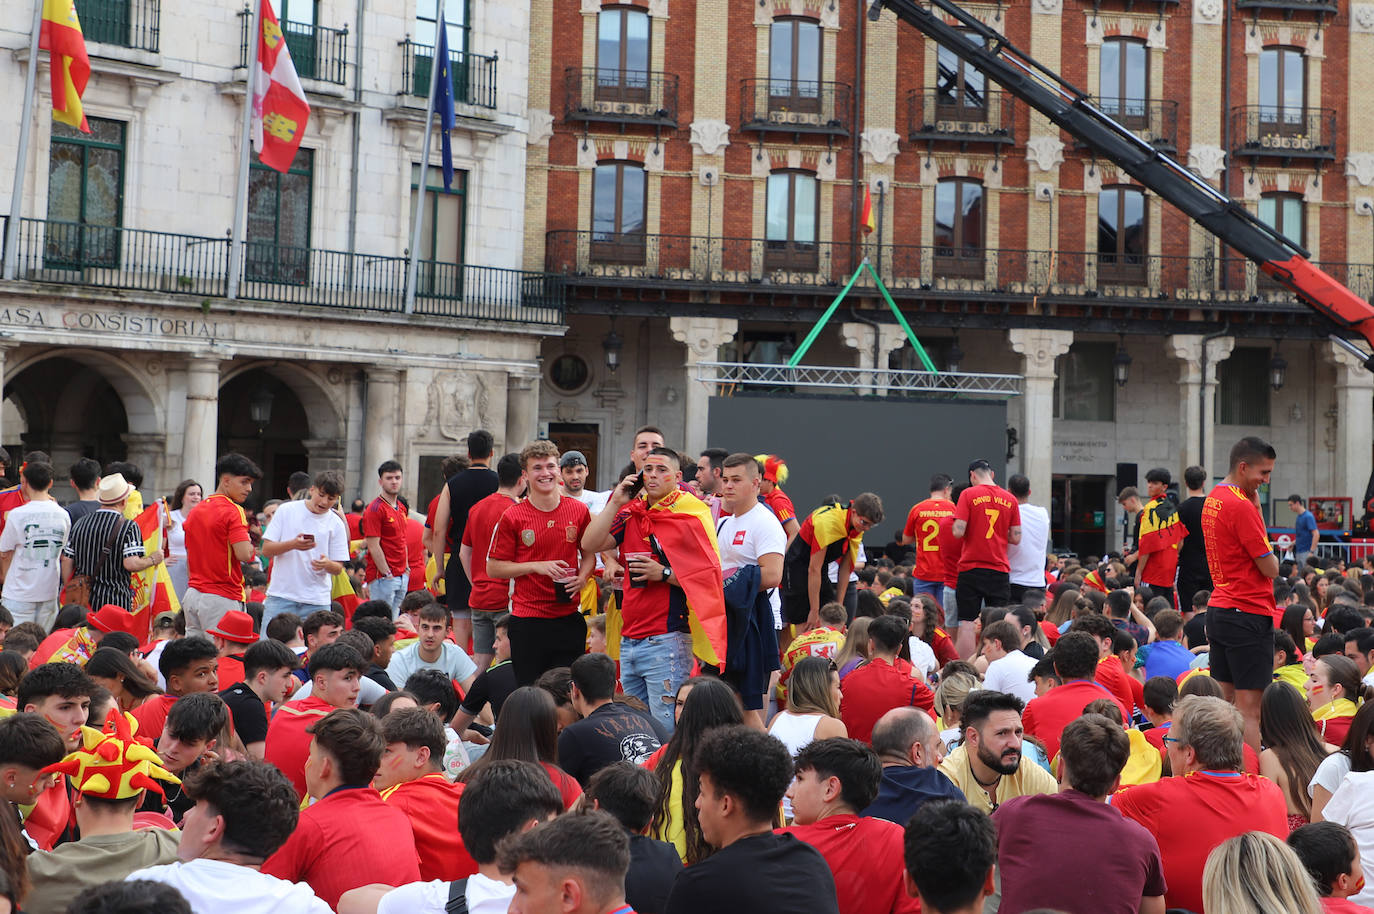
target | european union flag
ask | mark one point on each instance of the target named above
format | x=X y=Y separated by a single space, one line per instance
x=443 y=100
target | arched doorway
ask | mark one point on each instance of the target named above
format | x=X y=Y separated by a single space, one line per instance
x=67 y=408
x=262 y=418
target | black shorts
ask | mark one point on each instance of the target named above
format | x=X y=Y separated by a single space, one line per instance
x=538 y=644
x=979 y=587
x=1155 y=590
x=1241 y=646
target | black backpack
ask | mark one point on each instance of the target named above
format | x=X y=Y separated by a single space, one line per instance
x=457 y=897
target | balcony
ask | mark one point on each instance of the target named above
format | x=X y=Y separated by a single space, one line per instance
x=1285 y=133
x=1153 y=120
x=934 y=116
x=624 y=97
x=124 y=23
x=795 y=106
x=161 y=262
x=474 y=75
x=317 y=52
x=1289 y=7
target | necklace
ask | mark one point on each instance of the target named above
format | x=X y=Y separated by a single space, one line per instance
x=993 y=783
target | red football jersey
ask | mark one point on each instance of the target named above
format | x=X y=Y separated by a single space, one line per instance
x=989 y=511
x=1234 y=533
x=923 y=525
x=527 y=534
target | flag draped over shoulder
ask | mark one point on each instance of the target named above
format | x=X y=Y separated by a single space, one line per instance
x=1160 y=527
x=280 y=111
x=681 y=523
x=60 y=35
x=341 y=592
x=153 y=591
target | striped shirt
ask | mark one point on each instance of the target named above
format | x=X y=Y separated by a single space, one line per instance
x=110 y=582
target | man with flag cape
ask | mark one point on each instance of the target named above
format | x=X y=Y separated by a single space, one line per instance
x=1161 y=533
x=673 y=606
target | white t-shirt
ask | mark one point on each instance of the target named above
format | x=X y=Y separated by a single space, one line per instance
x=922 y=655
x=292 y=577
x=36 y=531
x=1330 y=773
x=1027 y=558
x=595 y=501
x=213 y=886
x=745 y=537
x=1009 y=674
x=453 y=662
x=176 y=536
x=484 y=896
x=369 y=691
x=1352 y=805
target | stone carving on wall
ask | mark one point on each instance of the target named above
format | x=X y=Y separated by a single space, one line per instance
x=456 y=403
x=541 y=127
x=1362 y=17
x=880 y=145
x=1048 y=7
x=1360 y=166
x=1207 y=161
x=1207 y=12
x=710 y=137
x=1045 y=152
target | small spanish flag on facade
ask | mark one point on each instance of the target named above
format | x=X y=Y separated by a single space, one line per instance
x=866 y=220
x=60 y=34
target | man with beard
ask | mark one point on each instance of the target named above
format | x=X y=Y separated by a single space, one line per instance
x=988 y=767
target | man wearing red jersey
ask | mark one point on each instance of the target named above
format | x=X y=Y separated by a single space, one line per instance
x=922 y=530
x=1075 y=662
x=411 y=779
x=489 y=597
x=773 y=474
x=217 y=545
x=537 y=543
x=655 y=638
x=384 y=529
x=1240 y=614
x=987 y=518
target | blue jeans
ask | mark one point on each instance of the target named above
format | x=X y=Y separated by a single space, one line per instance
x=935 y=588
x=391 y=590
x=275 y=606
x=652 y=668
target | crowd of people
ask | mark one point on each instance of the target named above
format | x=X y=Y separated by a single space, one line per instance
x=678 y=695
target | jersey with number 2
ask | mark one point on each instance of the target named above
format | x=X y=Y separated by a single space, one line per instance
x=923 y=525
x=989 y=512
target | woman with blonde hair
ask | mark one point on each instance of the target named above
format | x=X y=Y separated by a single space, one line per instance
x=1062 y=609
x=1256 y=873
x=954 y=688
x=855 y=649
x=813 y=709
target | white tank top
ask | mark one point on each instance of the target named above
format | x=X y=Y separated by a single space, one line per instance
x=795 y=730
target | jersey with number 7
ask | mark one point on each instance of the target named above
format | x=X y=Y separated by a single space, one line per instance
x=989 y=511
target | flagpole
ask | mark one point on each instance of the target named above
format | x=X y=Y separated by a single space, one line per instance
x=25 y=129
x=413 y=267
x=241 y=188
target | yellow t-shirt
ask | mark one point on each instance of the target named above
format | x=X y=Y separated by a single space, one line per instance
x=1030 y=779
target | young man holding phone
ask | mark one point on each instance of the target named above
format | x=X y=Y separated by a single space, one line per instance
x=307 y=542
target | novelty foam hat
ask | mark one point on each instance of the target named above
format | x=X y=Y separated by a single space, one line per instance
x=112 y=763
x=774 y=468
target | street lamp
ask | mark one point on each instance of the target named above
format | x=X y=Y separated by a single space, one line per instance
x=955 y=357
x=1278 y=371
x=1121 y=364
x=611 y=345
x=260 y=406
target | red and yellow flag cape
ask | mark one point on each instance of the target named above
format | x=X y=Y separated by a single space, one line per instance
x=1160 y=526
x=681 y=523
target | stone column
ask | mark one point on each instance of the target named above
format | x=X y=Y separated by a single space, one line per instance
x=702 y=336
x=1198 y=394
x=202 y=422
x=859 y=336
x=325 y=454
x=1038 y=350
x=379 y=422
x=4 y=378
x=1354 y=423
x=148 y=452
x=522 y=410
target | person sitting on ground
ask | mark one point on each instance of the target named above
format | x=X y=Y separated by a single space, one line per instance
x=1075 y=660
x=267 y=680
x=1332 y=858
x=909 y=746
x=1160 y=693
x=191 y=735
x=243 y=812
x=628 y=792
x=579 y=859
x=835 y=778
x=188 y=665
x=28 y=744
x=334 y=671
x=1093 y=753
x=61 y=693
x=951 y=854
x=1008 y=666
x=110 y=773
x=884 y=683
x=348 y=837
x=382 y=631
x=493 y=685
x=141 y=897
x=232 y=635
x=86 y=637
x=743 y=774
x=434 y=692
x=1256 y=873
x=504 y=799
x=411 y=779
x=990 y=766
x=608 y=731
x=433 y=651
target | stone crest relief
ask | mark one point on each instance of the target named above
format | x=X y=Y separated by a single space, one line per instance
x=456 y=403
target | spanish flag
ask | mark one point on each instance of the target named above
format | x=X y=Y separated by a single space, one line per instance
x=60 y=34
x=341 y=592
x=681 y=523
x=153 y=591
x=866 y=220
x=1093 y=580
x=1160 y=527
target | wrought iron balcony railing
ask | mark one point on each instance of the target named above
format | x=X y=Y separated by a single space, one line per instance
x=111 y=257
x=126 y=23
x=1290 y=133
x=1324 y=7
x=316 y=51
x=1154 y=120
x=795 y=106
x=620 y=96
x=968 y=117
x=474 y=75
